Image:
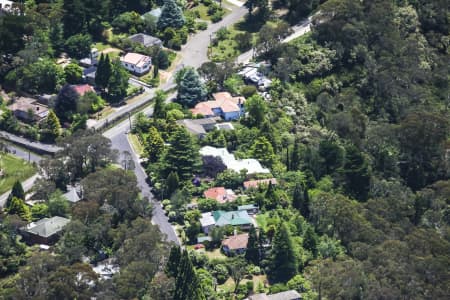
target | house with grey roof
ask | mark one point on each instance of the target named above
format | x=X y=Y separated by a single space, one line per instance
x=45 y=231
x=251 y=209
x=286 y=295
x=198 y=127
x=156 y=12
x=145 y=40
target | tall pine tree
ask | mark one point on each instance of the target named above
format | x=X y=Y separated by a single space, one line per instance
x=187 y=284
x=182 y=156
x=284 y=260
x=173 y=262
x=252 y=252
x=159 y=110
x=103 y=73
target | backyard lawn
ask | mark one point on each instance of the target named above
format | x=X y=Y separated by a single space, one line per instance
x=13 y=169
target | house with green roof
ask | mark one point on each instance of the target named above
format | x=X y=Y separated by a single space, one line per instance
x=222 y=218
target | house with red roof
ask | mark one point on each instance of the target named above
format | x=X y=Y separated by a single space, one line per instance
x=223 y=105
x=82 y=89
x=255 y=183
x=136 y=63
x=220 y=194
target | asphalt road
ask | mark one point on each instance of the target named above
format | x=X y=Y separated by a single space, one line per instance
x=194 y=54
x=298 y=30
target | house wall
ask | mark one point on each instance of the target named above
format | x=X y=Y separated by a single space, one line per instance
x=229 y=116
x=135 y=69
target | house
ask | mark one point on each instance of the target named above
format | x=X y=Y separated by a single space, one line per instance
x=82 y=89
x=136 y=63
x=45 y=231
x=255 y=74
x=198 y=127
x=72 y=195
x=145 y=40
x=223 y=105
x=89 y=75
x=224 y=126
x=236 y=244
x=222 y=218
x=46 y=99
x=207 y=222
x=251 y=165
x=251 y=209
x=10 y=7
x=255 y=183
x=92 y=60
x=286 y=295
x=29 y=110
x=220 y=194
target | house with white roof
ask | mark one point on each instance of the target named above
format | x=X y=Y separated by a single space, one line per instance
x=252 y=165
x=136 y=63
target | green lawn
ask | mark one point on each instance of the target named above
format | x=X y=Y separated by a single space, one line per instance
x=227 y=48
x=13 y=169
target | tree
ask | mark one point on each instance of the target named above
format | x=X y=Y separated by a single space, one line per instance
x=252 y=252
x=89 y=102
x=187 y=284
x=39 y=211
x=78 y=45
x=257 y=110
x=357 y=173
x=58 y=205
x=74 y=18
x=190 y=88
x=51 y=128
x=73 y=73
x=162 y=60
x=171 y=16
x=66 y=103
x=159 y=109
x=310 y=240
x=173 y=262
x=16 y=191
x=103 y=73
x=18 y=207
x=182 y=156
x=172 y=184
x=284 y=259
x=263 y=151
x=72 y=245
x=118 y=82
x=154 y=145
x=238 y=270
x=300 y=199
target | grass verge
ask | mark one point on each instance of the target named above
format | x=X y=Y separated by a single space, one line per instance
x=13 y=169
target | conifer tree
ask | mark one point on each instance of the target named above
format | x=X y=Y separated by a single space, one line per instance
x=182 y=157
x=18 y=207
x=310 y=240
x=190 y=89
x=187 y=284
x=173 y=262
x=103 y=72
x=154 y=145
x=159 y=110
x=252 y=252
x=52 y=128
x=16 y=191
x=284 y=260
x=171 y=16
x=172 y=183
x=300 y=199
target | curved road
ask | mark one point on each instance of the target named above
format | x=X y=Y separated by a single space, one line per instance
x=194 y=54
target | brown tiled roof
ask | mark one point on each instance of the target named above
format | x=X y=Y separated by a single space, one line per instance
x=82 y=89
x=256 y=183
x=220 y=194
x=235 y=242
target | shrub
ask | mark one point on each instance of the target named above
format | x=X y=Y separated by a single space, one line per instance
x=202 y=26
x=217 y=16
x=248 y=91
